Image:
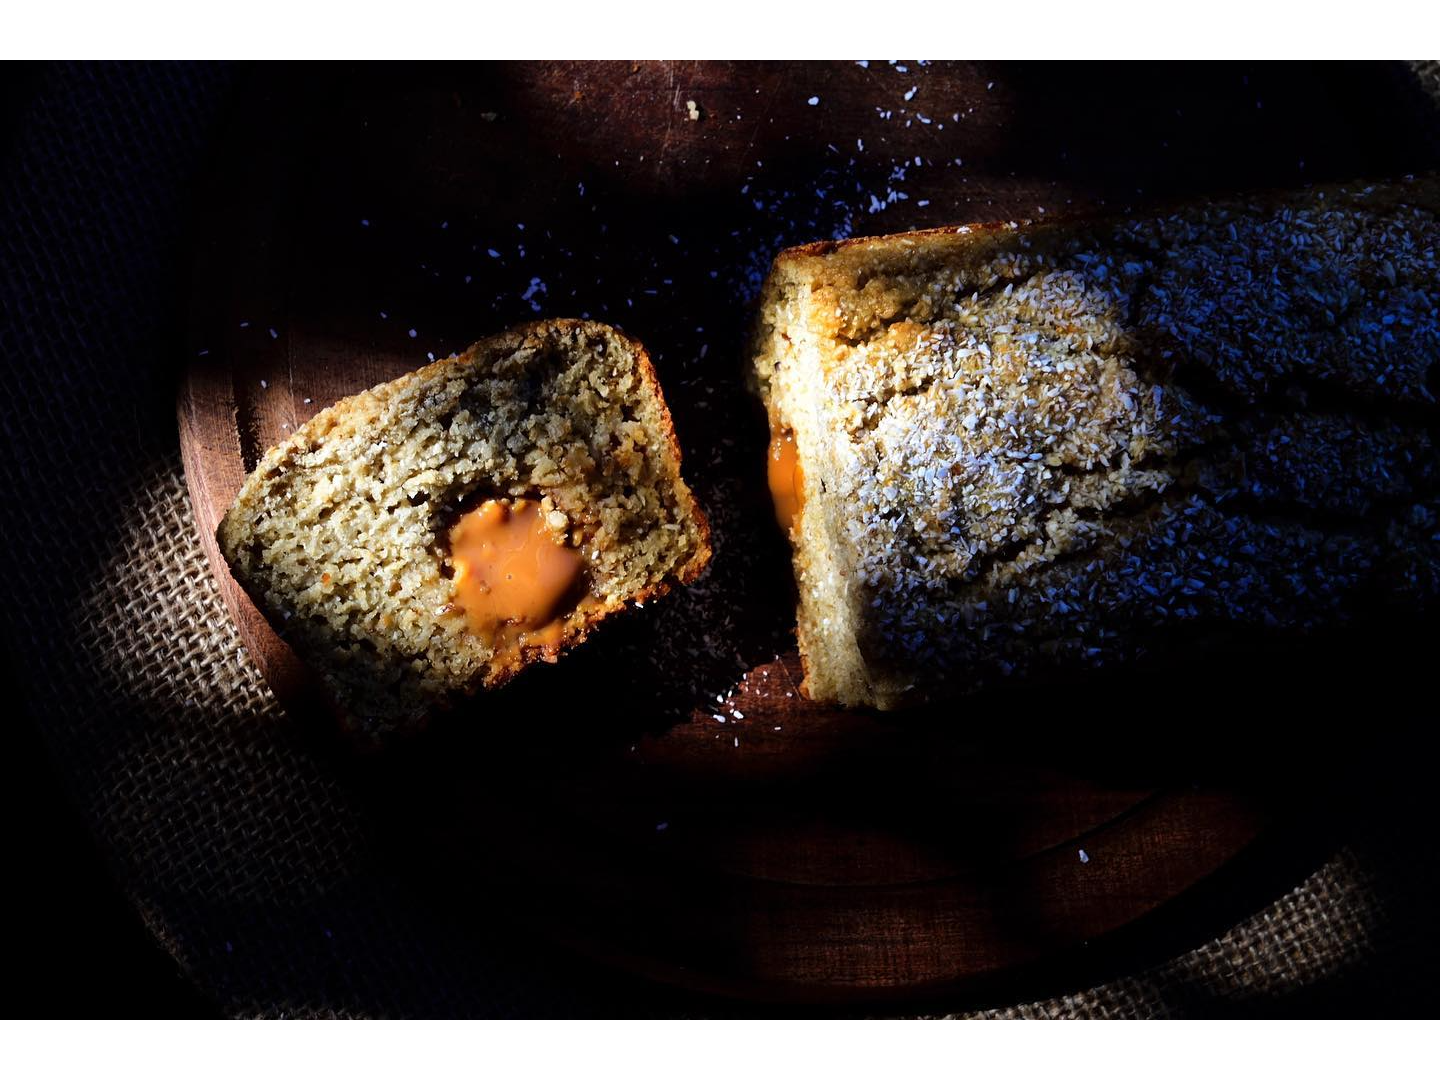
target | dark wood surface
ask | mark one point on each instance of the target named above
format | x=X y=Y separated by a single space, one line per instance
x=664 y=798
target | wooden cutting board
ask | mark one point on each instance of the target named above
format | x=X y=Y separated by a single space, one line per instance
x=664 y=798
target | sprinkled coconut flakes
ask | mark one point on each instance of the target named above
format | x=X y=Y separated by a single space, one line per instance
x=1020 y=473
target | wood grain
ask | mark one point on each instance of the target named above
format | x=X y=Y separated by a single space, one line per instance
x=664 y=798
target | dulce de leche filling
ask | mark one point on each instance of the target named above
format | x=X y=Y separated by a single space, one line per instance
x=786 y=478
x=515 y=578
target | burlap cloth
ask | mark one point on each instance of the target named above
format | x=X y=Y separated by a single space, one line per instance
x=240 y=849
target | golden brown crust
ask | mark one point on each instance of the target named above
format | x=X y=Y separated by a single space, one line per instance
x=821 y=248
x=1422 y=190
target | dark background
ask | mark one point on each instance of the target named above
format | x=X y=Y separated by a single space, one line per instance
x=77 y=946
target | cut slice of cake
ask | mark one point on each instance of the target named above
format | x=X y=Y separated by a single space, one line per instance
x=1017 y=446
x=436 y=534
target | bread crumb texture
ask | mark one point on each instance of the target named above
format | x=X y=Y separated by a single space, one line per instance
x=340 y=533
x=1035 y=444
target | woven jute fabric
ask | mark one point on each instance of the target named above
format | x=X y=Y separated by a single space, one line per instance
x=240 y=848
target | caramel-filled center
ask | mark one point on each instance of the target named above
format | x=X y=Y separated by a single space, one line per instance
x=514 y=578
x=786 y=478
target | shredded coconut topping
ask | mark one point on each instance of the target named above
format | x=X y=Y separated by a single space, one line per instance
x=1039 y=442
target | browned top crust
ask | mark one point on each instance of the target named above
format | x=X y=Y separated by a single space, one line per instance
x=1037 y=442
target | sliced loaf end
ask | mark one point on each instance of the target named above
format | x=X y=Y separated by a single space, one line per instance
x=342 y=533
x=786 y=372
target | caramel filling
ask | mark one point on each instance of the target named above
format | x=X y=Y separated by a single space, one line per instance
x=786 y=478
x=515 y=579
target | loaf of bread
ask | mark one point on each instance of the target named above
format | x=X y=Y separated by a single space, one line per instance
x=546 y=453
x=1038 y=444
